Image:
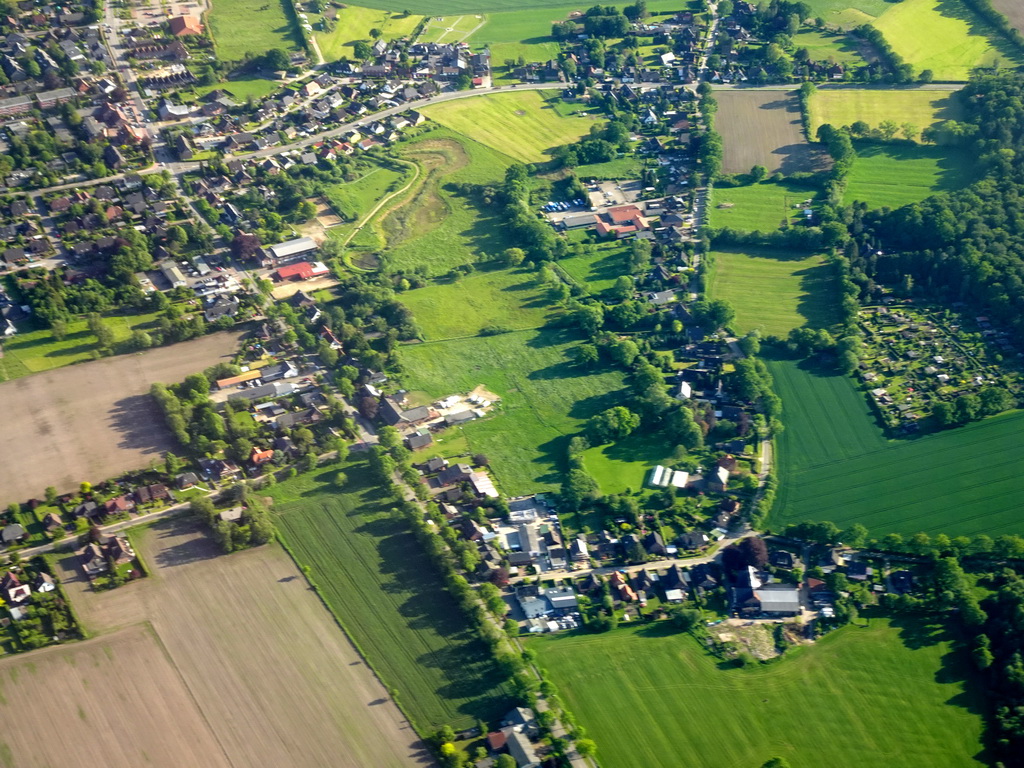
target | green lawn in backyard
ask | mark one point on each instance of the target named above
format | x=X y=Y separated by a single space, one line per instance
x=627 y=167
x=894 y=175
x=545 y=398
x=759 y=207
x=388 y=597
x=944 y=36
x=32 y=351
x=250 y=26
x=597 y=272
x=497 y=297
x=435 y=227
x=891 y=693
x=624 y=464
x=845 y=106
x=256 y=88
x=825 y=46
x=774 y=291
x=521 y=125
x=354 y=23
x=836 y=464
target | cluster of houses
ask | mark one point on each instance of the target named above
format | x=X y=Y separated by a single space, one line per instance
x=106 y=554
x=442 y=63
x=516 y=737
x=17 y=590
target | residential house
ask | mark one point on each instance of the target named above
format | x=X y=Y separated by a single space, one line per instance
x=13 y=590
x=93 y=561
x=44 y=582
x=13 y=534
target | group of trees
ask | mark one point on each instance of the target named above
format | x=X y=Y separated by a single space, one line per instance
x=253 y=529
x=601 y=145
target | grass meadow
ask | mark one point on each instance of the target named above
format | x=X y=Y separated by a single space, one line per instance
x=893 y=175
x=522 y=125
x=848 y=13
x=254 y=87
x=890 y=693
x=762 y=207
x=385 y=593
x=824 y=46
x=598 y=272
x=459 y=308
x=944 y=36
x=774 y=291
x=625 y=463
x=32 y=351
x=250 y=26
x=545 y=398
x=354 y=23
x=845 y=106
x=836 y=464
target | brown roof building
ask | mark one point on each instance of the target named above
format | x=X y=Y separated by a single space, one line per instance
x=185 y=25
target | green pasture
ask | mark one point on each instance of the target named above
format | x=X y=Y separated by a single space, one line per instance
x=848 y=13
x=354 y=23
x=388 y=597
x=774 y=291
x=893 y=175
x=627 y=167
x=828 y=46
x=354 y=199
x=836 y=464
x=434 y=226
x=522 y=125
x=894 y=693
x=762 y=207
x=845 y=106
x=545 y=398
x=250 y=26
x=598 y=272
x=945 y=36
x=448 y=309
x=32 y=351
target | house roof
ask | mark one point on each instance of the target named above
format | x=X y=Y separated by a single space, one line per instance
x=778 y=598
x=185 y=25
x=12 y=532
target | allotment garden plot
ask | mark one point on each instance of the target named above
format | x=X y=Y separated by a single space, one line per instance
x=764 y=128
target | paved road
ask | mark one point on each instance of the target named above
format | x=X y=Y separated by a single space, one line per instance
x=837 y=86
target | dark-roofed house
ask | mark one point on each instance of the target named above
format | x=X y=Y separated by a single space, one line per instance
x=454 y=474
x=416 y=442
x=693 y=540
x=654 y=544
x=93 y=561
x=781 y=559
x=13 y=533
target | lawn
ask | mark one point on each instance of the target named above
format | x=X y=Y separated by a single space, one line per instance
x=250 y=26
x=354 y=23
x=434 y=226
x=598 y=272
x=835 y=464
x=774 y=291
x=522 y=125
x=848 y=13
x=845 y=106
x=943 y=36
x=499 y=297
x=354 y=199
x=891 y=693
x=824 y=46
x=32 y=351
x=255 y=88
x=627 y=167
x=624 y=464
x=451 y=29
x=545 y=398
x=384 y=591
x=894 y=175
x=762 y=207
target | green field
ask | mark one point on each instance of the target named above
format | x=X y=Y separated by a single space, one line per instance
x=384 y=591
x=891 y=693
x=463 y=307
x=451 y=29
x=845 y=106
x=625 y=463
x=627 y=167
x=943 y=36
x=354 y=23
x=828 y=47
x=250 y=26
x=32 y=351
x=760 y=207
x=521 y=125
x=544 y=398
x=598 y=272
x=848 y=13
x=835 y=464
x=256 y=88
x=894 y=175
x=772 y=291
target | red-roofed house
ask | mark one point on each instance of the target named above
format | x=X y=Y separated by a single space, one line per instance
x=304 y=270
x=260 y=457
x=624 y=214
x=185 y=25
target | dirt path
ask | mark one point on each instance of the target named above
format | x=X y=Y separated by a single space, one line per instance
x=369 y=216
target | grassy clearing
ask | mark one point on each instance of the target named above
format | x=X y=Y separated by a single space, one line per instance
x=627 y=167
x=521 y=125
x=463 y=307
x=451 y=29
x=774 y=292
x=545 y=398
x=828 y=47
x=598 y=272
x=864 y=691
x=250 y=26
x=624 y=464
x=894 y=175
x=944 y=36
x=848 y=13
x=835 y=464
x=35 y=351
x=354 y=23
x=384 y=591
x=762 y=207
x=433 y=226
x=845 y=106
x=256 y=88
